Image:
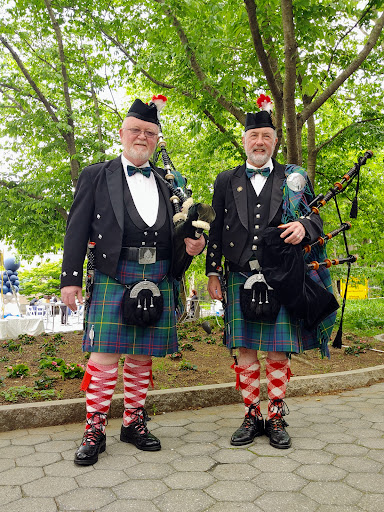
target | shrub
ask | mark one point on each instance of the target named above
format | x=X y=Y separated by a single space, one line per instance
x=71 y=371
x=17 y=371
x=186 y=365
x=51 y=363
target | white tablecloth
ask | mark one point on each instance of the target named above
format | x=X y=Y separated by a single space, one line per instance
x=12 y=326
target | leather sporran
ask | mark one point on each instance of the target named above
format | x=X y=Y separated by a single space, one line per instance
x=258 y=301
x=143 y=304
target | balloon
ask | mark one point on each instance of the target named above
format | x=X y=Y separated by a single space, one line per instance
x=9 y=294
x=9 y=272
x=11 y=264
x=13 y=278
x=16 y=288
x=5 y=289
x=16 y=283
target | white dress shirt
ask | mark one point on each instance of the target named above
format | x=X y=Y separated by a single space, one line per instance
x=144 y=192
x=257 y=180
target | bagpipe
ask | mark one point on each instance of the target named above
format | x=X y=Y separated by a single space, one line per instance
x=318 y=202
x=190 y=219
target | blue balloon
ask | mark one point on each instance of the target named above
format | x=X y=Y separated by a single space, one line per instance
x=13 y=278
x=9 y=272
x=5 y=289
x=11 y=264
x=16 y=283
x=16 y=288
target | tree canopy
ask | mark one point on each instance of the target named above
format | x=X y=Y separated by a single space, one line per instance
x=69 y=69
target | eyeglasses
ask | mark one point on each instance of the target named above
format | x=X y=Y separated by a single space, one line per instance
x=136 y=132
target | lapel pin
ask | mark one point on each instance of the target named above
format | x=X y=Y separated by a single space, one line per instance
x=239 y=189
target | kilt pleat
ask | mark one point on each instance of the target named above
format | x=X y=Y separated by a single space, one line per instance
x=283 y=335
x=105 y=321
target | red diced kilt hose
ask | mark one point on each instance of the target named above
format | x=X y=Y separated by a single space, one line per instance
x=104 y=316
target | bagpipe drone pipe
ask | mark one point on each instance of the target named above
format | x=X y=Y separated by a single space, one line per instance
x=320 y=201
x=190 y=219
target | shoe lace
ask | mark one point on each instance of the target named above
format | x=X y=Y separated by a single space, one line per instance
x=140 y=417
x=278 y=407
x=277 y=423
x=252 y=414
x=95 y=428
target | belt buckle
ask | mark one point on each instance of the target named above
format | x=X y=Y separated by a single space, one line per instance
x=147 y=255
x=254 y=265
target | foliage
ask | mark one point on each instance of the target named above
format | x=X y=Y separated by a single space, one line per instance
x=357 y=348
x=44 y=381
x=175 y=355
x=13 y=394
x=71 y=371
x=321 y=63
x=17 y=371
x=43 y=279
x=187 y=346
x=26 y=339
x=186 y=366
x=12 y=346
x=364 y=317
x=52 y=363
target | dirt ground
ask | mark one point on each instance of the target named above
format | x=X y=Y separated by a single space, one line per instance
x=202 y=360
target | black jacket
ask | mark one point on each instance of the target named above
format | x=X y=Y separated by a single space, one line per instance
x=97 y=215
x=229 y=231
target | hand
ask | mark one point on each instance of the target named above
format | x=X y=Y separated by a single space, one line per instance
x=194 y=247
x=69 y=294
x=293 y=233
x=214 y=288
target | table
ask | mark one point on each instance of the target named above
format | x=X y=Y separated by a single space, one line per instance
x=13 y=326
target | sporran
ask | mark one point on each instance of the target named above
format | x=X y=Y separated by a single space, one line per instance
x=142 y=304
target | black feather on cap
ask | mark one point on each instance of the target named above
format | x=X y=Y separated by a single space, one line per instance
x=261 y=119
x=143 y=111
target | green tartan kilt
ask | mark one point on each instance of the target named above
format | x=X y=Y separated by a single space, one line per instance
x=286 y=334
x=283 y=335
x=105 y=320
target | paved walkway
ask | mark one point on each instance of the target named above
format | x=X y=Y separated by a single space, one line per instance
x=336 y=463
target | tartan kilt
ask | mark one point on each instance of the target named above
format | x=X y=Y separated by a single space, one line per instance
x=111 y=334
x=283 y=335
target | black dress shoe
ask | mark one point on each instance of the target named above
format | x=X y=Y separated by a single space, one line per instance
x=278 y=436
x=138 y=434
x=94 y=441
x=252 y=426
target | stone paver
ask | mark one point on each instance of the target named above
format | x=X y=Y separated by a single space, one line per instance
x=336 y=463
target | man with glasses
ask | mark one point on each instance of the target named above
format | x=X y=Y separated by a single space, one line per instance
x=123 y=209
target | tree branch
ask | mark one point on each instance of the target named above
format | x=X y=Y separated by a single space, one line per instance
x=70 y=135
x=95 y=103
x=16 y=103
x=290 y=61
x=199 y=73
x=331 y=139
x=345 y=74
x=12 y=185
x=31 y=82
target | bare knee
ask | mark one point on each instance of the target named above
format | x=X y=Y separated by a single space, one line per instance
x=277 y=356
x=247 y=356
x=104 y=358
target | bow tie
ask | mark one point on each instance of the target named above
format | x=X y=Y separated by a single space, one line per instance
x=264 y=172
x=145 y=171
